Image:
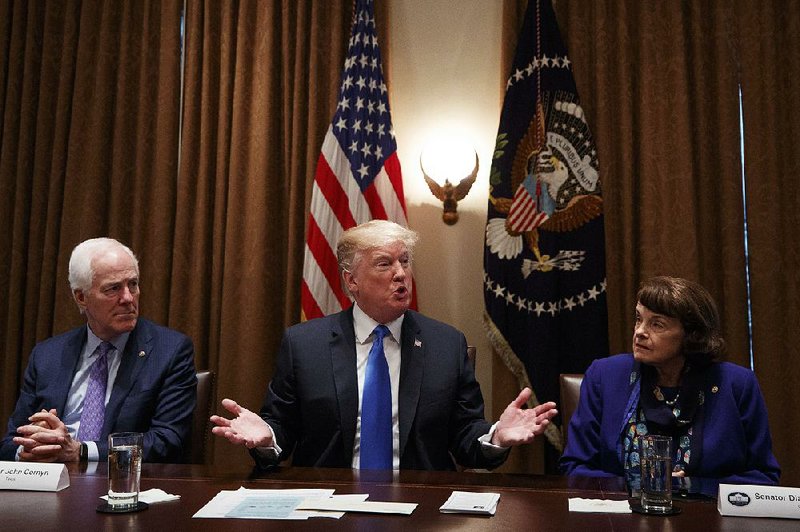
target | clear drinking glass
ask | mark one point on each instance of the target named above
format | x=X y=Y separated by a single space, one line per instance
x=655 y=457
x=124 y=469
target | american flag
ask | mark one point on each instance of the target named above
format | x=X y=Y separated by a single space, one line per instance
x=526 y=214
x=358 y=174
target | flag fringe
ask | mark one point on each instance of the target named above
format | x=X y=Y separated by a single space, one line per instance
x=515 y=366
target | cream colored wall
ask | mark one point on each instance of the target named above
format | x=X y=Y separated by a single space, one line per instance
x=445 y=72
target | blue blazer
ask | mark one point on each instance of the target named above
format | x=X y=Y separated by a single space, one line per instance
x=312 y=401
x=730 y=439
x=154 y=394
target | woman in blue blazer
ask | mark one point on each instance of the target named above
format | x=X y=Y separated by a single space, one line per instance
x=672 y=384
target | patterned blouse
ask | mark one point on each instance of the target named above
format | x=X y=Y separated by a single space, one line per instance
x=637 y=426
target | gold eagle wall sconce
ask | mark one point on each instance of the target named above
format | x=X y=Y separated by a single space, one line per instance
x=450 y=194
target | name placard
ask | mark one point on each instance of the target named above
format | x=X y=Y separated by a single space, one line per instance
x=758 y=501
x=33 y=476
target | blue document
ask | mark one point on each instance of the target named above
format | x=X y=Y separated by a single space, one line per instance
x=279 y=507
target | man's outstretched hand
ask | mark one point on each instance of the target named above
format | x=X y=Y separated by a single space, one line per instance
x=247 y=428
x=518 y=426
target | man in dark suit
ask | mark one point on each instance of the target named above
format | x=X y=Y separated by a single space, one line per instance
x=320 y=404
x=118 y=373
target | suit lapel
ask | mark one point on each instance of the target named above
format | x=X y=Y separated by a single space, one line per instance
x=412 y=357
x=69 y=363
x=140 y=341
x=345 y=377
x=710 y=383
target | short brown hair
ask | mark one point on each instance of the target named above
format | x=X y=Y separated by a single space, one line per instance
x=690 y=303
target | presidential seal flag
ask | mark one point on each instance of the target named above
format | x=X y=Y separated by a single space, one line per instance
x=544 y=257
x=358 y=173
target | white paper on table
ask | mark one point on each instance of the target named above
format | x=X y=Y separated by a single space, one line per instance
x=153 y=496
x=469 y=502
x=226 y=500
x=605 y=506
x=307 y=493
x=345 y=504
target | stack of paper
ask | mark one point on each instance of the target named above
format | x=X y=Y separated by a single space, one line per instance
x=605 y=506
x=294 y=504
x=247 y=503
x=471 y=503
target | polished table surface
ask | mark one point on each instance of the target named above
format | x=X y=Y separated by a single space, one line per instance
x=527 y=502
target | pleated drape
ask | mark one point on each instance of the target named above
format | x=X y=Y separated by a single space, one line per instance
x=260 y=90
x=768 y=45
x=89 y=114
x=211 y=195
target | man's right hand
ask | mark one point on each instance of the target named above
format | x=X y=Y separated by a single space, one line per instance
x=247 y=428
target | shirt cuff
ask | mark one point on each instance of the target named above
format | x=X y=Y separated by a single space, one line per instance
x=92 y=454
x=272 y=452
x=489 y=449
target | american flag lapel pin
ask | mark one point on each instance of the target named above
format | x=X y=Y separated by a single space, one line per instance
x=417 y=342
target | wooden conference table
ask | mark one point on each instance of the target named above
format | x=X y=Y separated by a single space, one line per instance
x=527 y=502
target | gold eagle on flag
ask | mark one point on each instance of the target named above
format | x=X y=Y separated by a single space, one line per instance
x=555 y=179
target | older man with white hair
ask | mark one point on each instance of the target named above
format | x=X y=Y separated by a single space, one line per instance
x=117 y=373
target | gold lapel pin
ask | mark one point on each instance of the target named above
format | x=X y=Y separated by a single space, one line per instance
x=714 y=389
x=142 y=354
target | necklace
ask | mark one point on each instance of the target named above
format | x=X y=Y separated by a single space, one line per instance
x=660 y=396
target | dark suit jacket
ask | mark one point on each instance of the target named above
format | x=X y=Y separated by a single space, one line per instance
x=730 y=434
x=312 y=401
x=154 y=394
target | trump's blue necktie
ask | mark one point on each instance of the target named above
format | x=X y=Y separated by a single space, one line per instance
x=376 y=408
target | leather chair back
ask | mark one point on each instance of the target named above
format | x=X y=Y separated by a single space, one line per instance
x=570 y=393
x=200 y=422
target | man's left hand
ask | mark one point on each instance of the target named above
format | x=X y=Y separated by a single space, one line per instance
x=518 y=426
x=46 y=439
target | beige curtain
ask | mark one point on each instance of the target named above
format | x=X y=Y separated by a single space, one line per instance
x=659 y=83
x=89 y=114
x=260 y=91
x=92 y=144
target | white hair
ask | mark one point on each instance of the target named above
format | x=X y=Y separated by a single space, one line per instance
x=81 y=271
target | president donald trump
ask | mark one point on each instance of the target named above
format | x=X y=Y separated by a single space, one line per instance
x=378 y=386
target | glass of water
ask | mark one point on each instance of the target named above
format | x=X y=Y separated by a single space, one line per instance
x=655 y=457
x=124 y=469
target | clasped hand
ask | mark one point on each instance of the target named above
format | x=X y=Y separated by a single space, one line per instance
x=247 y=428
x=46 y=439
x=518 y=426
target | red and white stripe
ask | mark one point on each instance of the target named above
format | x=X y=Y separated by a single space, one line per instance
x=524 y=215
x=337 y=204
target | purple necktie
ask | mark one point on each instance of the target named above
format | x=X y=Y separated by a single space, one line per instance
x=94 y=405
